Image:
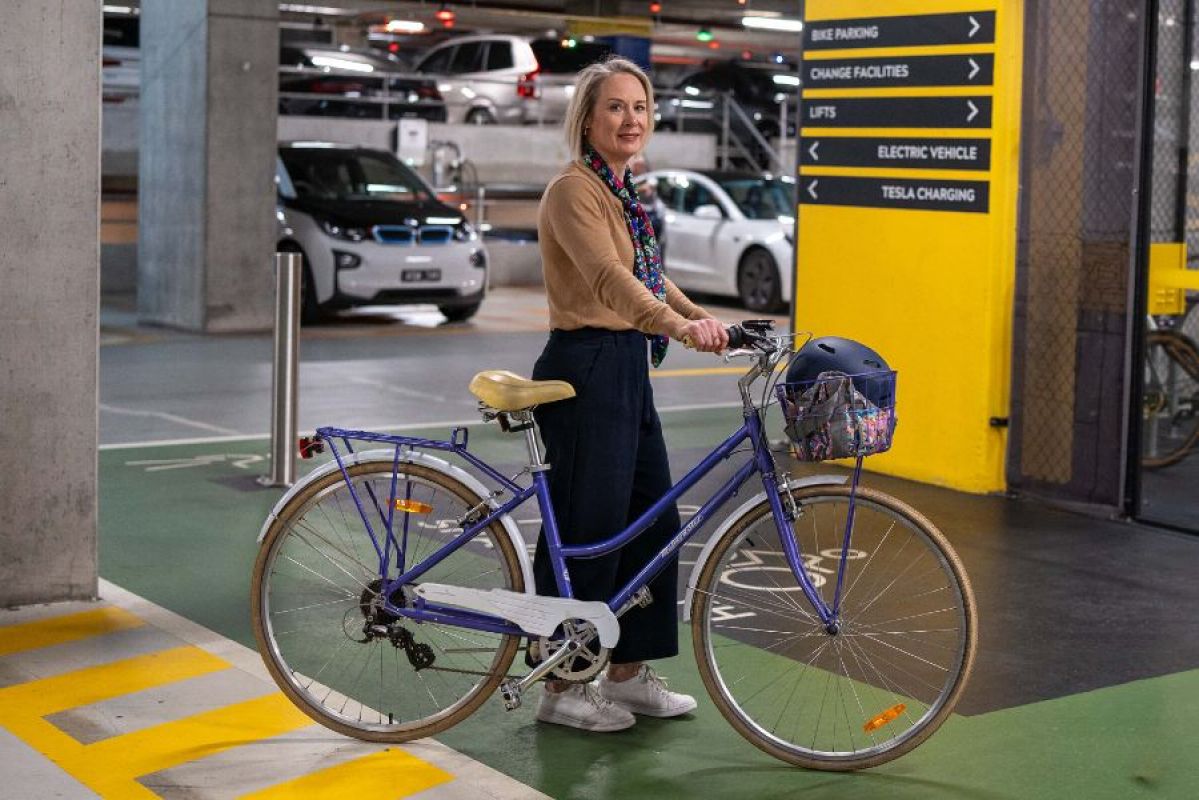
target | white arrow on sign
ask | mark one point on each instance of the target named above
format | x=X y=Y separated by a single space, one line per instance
x=812 y=150
x=974 y=68
x=974 y=26
x=973 y=111
x=812 y=190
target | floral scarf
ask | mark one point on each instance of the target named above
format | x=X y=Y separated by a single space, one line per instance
x=647 y=264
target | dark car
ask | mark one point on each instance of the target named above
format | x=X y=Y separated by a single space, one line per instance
x=694 y=103
x=318 y=80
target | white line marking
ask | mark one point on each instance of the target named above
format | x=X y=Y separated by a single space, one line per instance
x=133 y=412
x=414 y=426
x=400 y=390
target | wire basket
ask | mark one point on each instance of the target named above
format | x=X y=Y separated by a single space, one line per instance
x=838 y=415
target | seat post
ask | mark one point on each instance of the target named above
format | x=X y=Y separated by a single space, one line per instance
x=533 y=442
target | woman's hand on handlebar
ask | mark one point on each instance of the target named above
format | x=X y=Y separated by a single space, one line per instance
x=705 y=335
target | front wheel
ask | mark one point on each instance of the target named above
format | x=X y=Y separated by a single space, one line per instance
x=318 y=618
x=887 y=676
x=459 y=313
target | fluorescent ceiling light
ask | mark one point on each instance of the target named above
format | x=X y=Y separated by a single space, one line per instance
x=116 y=9
x=405 y=26
x=773 y=24
x=341 y=63
x=787 y=80
x=328 y=11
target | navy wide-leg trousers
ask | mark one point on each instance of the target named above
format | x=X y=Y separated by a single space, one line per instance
x=608 y=465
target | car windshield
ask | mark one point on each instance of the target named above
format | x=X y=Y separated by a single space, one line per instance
x=762 y=198
x=328 y=174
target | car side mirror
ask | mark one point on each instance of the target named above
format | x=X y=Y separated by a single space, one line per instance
x=709 y=211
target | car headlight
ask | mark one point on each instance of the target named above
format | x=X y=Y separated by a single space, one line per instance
x=465 y=232
x=350 y=234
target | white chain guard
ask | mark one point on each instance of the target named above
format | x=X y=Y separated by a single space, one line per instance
x=533 y=613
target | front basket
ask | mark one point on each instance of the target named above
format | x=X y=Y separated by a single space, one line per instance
x=838 y=415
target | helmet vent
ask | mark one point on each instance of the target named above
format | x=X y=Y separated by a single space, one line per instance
x=826 y=347
x=870 y=362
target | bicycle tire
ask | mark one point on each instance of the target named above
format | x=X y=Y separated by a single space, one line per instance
x=315 y=572
x=1182 y=426
x=750 y=668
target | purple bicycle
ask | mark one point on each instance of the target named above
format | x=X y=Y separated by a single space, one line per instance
x=833 y=625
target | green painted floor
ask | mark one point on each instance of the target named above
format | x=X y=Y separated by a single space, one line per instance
x=178 y=526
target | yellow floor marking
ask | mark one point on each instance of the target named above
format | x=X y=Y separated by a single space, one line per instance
x=93 y=684
x=388 y=774
x=23 y=706
x=67 y=628
x=174 y=743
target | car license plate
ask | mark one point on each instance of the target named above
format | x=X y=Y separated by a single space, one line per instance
x=420 y=275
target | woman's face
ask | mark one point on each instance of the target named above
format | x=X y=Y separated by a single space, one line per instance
x=616 y=127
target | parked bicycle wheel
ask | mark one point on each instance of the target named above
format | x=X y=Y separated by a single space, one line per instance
x=1171 y=398
x=325 y=639
x=870 y=692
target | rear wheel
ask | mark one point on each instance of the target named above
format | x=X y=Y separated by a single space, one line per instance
x=877 y=685
x=758 y=281
x=479 y=116
x=319 y=622
x=1171 y=398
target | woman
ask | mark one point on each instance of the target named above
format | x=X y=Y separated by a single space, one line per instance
x=607 y=296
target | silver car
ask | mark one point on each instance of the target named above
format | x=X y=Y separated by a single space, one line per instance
x=496 y=78
x=372 y=232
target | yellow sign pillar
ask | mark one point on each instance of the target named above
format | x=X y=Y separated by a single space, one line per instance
x=908 y=177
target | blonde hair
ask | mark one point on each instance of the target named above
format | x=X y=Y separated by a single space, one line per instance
x=587 y=89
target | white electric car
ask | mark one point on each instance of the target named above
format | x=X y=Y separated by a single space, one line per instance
x=371 y=232
x=728 y=233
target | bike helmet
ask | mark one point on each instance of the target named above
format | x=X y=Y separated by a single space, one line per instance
x=837 y=354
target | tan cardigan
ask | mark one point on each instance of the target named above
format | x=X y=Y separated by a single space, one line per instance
x=587 y=260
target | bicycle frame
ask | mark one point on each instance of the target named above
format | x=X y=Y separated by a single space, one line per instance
x=760 y=462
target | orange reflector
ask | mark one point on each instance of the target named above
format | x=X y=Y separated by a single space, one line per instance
x=883 y=718
x=413 y=506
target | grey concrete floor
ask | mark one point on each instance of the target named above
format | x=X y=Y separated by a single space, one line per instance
x=368 y=368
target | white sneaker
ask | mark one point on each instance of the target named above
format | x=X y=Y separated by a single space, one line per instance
x=581 y=706
x=646 y=694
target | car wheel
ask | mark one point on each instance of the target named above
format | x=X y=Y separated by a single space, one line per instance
x=479 y=116
x=758 y=281
x=459 y=313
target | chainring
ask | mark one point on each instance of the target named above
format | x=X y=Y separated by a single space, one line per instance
x=590 y=659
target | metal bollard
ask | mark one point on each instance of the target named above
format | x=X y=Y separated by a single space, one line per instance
x=284 y=375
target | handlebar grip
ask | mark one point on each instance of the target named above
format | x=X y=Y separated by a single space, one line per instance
x=736 y=337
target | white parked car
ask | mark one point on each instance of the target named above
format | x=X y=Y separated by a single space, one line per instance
x=729 y=233
x=494 y=78
x=371 y=232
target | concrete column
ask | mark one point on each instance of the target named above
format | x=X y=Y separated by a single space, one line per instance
x=49 y=298
x=206 y=195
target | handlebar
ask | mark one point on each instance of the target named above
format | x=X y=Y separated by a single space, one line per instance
x=750 y=333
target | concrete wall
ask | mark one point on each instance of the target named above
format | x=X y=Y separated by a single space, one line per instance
x=206 y=162
x=49 y=271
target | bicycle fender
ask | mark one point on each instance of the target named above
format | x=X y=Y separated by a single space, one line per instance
x=760 y=497
x=387 y=456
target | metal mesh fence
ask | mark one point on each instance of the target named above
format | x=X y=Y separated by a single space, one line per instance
x=1082 y=95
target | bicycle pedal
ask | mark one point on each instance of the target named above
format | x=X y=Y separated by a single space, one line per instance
x=510 y=692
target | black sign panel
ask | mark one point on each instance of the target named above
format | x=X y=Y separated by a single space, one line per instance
x=975 y=69
x=924 y=29
x=929 y=195
x=897 y=112
x=837 y=151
